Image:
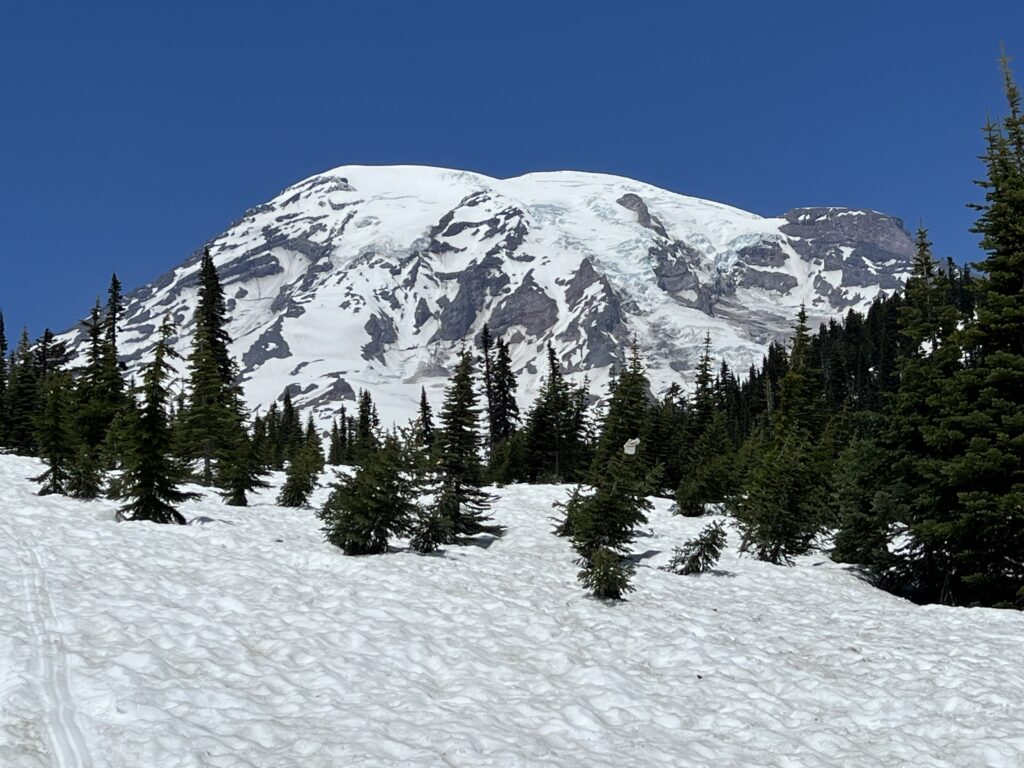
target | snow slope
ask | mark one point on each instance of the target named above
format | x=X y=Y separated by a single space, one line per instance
x=247 y=641
x=376 y=277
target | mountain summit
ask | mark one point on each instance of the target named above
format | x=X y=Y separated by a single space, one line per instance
x=376 y=276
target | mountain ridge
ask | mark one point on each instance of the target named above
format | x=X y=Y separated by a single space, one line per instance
x=374 y=276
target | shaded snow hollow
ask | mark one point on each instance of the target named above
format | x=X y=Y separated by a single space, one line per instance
x=248 y=641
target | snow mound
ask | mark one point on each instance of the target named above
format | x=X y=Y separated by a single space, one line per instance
x=248 y=641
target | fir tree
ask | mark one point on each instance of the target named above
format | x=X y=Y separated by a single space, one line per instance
x=22 y=398
x=313 y=444
x=627 y=415
x=149 y=483
x=335 y=445
x=300 y=479
x=367 y=426
x=555 y=436
x=603 y=523
x=213 y=414
x=503 y=410
x=701 y=554
x=53 y=436
x=425 y=420
x=377 y=502
x=240 y=470
x=459 y=498
x=85 y=474
x=3 y=381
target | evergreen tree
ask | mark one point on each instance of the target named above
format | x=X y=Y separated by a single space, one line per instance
x=459 y=498
x=110 y=387
x=300 y=479
x=3 y=381
x=212 y=418
x=367 y=426
x=377 y=502
x=602 y=523
x=554 y=446
x=240 y=470
x=783 y=509
x=503 y=409
x=425 y=420
x=314 y=446
x=149 y=483
x=335 y=445
x=53 y=436
x=22 y=398
x=960 y=405
x=708 y=474
x=701 y=554
x=627 y=415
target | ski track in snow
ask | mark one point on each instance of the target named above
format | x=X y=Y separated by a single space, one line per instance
x=68 y=746
x=247 y=642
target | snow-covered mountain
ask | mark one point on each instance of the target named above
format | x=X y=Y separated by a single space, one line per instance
x=376 y=276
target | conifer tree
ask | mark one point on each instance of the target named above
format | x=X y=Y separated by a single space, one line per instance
x=459 y=499
x=53 y=435
x=555 y=436
x=627 y=415
x=313 y=445
x=300 y=479
x=367 y=425
x=503 y=410
x=3 y=381
x=212 y=418
x=425 y=419
x=240 y=470
x=782 y=511
x=963 y=462
x=110 y=395
x=149 y=485
x=376 y=503
x=22 y=398
x=602 y=523
x=335 y=446
x=701 y=554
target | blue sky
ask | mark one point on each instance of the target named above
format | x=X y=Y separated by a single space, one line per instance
x=130 y=133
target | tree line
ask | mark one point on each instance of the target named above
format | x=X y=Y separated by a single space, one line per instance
x=894 y=438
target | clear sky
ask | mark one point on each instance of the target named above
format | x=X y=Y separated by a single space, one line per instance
x=132 y=132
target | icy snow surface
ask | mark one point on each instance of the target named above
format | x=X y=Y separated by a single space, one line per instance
x=247 y=641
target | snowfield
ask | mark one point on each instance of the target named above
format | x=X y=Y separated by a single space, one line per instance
x=246 y=640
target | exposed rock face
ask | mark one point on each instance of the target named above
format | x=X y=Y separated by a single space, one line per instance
x=377 y=277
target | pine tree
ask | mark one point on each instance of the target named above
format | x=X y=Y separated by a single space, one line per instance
x=459 y=498
x=53 y=436
x=335 y=446
x=783 y=509
x=212 y=418
x=367 y=426
x=85 y=474
x=960 y=406
x=22 y=398
x=503 y=410
x=240 y=470
x=3 y=381
x=377 y=502
x=110 y=394
x=555 y=435
x=425 y=420
x=603 y=523
x=627 y=415
x=300 y=479
x=701 y=554
x=314 y=446
x=149 y=483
